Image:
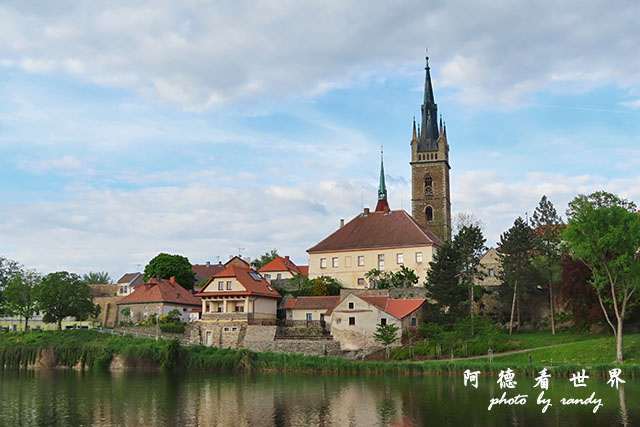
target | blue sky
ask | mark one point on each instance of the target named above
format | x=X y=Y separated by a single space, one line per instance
x=202 y=127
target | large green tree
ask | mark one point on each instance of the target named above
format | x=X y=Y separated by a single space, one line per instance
x=8 y=268
x=264 y=259
x=404 y=278
x=444 y=285
x=165 y=266
x=548 y=226
x=515 y=250
x=469 y=242
x=64 y=294
x=604 y=233
x=21 y=294
x=96 y=278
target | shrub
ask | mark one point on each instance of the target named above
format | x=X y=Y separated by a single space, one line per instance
x=172 y=328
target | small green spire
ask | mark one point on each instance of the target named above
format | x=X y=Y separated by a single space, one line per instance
x=382 y=188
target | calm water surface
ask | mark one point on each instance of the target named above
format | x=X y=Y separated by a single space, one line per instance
x=48 y=398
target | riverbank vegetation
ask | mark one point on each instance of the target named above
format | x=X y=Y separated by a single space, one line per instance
x=87 y=349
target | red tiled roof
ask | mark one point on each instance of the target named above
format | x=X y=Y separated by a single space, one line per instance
x=378 y=229
x=281 y=264
x=252 y=285
x=304 y=269
x=399 y=308
x=328 y=302
x=161 y=290
x=206 y=271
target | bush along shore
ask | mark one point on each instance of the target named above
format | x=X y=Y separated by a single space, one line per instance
x=85 y=349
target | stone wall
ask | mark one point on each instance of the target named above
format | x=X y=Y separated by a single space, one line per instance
x=414 y=292
x=150 y=332
x=258 y=333
x=308 y=347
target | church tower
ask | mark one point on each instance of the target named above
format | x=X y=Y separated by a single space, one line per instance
x=430 y=191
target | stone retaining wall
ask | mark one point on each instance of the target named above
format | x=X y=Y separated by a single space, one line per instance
x=308 y=347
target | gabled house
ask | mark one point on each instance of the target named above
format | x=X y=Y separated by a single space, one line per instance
x=384 y=240
x=129 y=283
x=489 y=266
x=310 y=311
x=238 y=294
x=355 y=319
x=206 y=271
x=281 y=269
x=158 y=296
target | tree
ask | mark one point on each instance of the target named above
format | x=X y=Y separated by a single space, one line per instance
x=64 y=294
x=264 y=259
x=96 y=278
x=165 y=266
x=603 y=232
x=466 y=219
x=516 y=252
x=319 y=288
x=404 y=278
x=548 y=228
x=126 y=312
x=444 y=286
x=386 y=335
x=21 y=295
x=8 y=268
x=469 y=242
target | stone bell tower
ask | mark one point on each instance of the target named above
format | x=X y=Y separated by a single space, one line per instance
x=430 y=190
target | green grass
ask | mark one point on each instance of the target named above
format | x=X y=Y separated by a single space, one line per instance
x=592 y=351
x=91 y=349
x=541 y=339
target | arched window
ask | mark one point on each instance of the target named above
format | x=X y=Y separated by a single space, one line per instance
x=428 y=185
x=428 y=212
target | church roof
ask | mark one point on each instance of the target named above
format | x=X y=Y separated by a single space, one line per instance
x=378 y=230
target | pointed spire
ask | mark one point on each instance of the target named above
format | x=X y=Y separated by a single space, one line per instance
x=429 y=135
x=382 y=205
x=414 y=129
x=441 y=130
x=445 y=129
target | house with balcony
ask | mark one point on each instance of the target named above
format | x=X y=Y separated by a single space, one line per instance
x=238 y=294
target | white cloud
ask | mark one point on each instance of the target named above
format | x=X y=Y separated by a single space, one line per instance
x=631 y=104
x=209 y=54
x=64 y=164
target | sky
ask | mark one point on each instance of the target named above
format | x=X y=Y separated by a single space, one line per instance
x=208 y=129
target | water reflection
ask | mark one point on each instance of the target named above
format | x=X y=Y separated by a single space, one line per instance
x=154 y=399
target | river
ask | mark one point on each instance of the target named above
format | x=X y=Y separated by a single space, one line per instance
x=67 y=397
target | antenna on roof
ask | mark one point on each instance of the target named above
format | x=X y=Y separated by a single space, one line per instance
x=240 y=250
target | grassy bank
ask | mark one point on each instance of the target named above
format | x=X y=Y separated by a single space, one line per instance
x=93 y=350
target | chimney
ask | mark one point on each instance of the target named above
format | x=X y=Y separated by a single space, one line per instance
x=366 y=211
x=208 y=264
x=341 y=222
x=286 y=257
x=172 y=280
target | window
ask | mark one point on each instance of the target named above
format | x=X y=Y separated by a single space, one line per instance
x=226 y=329
x=361 y=260
x=383 y=321
x=220 y=286
x=240 y=308
x=184 y=309
x=234 y=329
x=220 y=308
x=399 y=258
x=414 y=321
x=492 y=272
x=352 y=321
x=338 y=320
x=361 y=282
x=309 y=317
x=334 y=262
x=350 y=306
x=267 y=277
x=428 y=185
x=428 y=212
x=229 y=287
x=323 y=263
x=278 y=276
x=381 y=262
x=347 y=261
x=419 y=257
